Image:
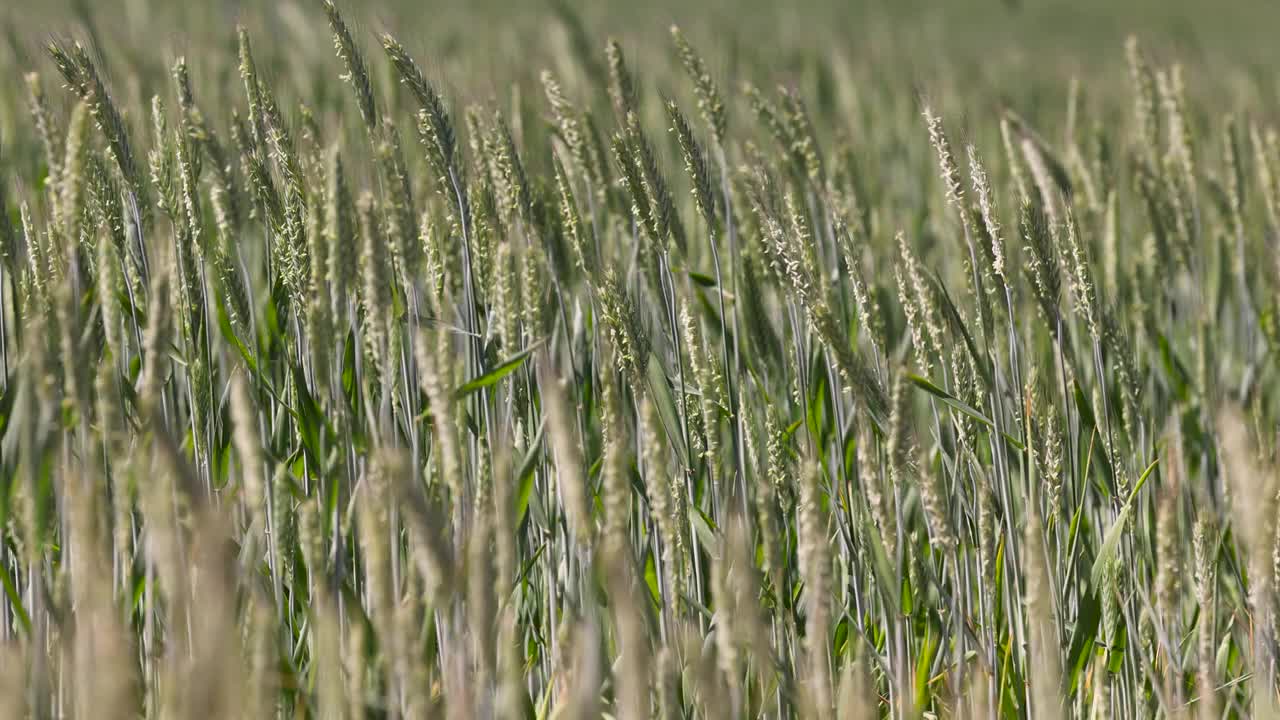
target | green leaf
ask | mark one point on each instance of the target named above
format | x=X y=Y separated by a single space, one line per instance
x=350 y=388
x=705 y=529
x=840 y=638
x=664 y=400
x=311 y=422
x=15 y=599
x=923 y=663
x=816 y=419
x=1111 y=543
x=6 y=405
x=1116 y=650
x=651 y=579
x=883 y=565
x=1087 y=418
x=526 y=476
x=953 y=318
x=907 y=595
x=961 y=406
x=702 y=279
x=493 y=376
x=532 y=561
x=1082 y=638
x=1176 y=373
x=224 y=325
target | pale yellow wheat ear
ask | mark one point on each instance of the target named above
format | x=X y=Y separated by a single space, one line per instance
x=745 y=634
x=1146 y=121
x=1204 y=550
x=562 y=432
x=245 y=439
x=17 y=665
x=815 y=564
x=615 y=486
x=667 y=502
x=949 y=171
x=633 y=670
x=1251 y=487
x=101 y=646
x=1168 y=571
x=155 y=345
x=1046 y=667
x=990 y=217
x=579 y=694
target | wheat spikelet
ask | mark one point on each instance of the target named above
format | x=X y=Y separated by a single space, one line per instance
x=356 y=72
x=710 y=104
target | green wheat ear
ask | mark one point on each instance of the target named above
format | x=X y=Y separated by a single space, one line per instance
x=622 y=86
x=82 y=76
x=357 y=72
x=695 y=163
x=710 y=104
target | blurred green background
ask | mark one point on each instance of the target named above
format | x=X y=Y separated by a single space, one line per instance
x=967 y=57
x=1004 y=42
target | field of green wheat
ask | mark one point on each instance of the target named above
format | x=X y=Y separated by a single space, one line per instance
x=674 y=360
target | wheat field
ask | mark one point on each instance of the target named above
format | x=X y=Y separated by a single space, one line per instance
x=537 y=361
